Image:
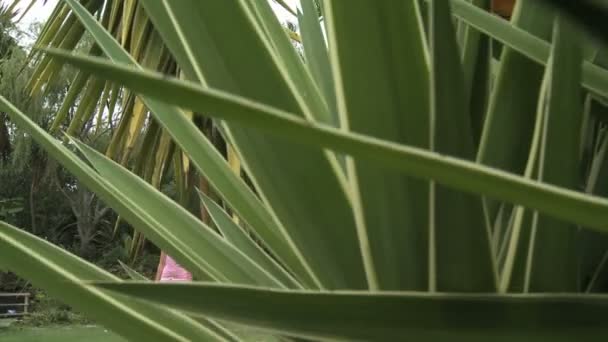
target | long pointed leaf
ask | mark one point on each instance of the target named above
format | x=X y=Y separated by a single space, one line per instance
x=411 y=316
x=554 y=266
x=519 y=39
x=387 y=74
x=317 y=58
x=319 y=221
x=238 y=237
x=62 y=275
x=223 y=261
x=514 y=266
x=463 y=257
x=558 y=202
x=207 y=160
x=509 y=123
x=476 y=60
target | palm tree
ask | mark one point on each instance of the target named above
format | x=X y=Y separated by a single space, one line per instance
x=7 y=43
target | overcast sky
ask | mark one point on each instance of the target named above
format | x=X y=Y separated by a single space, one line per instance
x=41 y=12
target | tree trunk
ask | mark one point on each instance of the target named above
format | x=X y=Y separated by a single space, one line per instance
x=83 y=250
x=5 y=142
x=32 y=204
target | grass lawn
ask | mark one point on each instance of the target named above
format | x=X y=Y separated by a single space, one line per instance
x=58 y=334
x=78 y=333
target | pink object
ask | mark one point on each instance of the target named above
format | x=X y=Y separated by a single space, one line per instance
x=174 y=272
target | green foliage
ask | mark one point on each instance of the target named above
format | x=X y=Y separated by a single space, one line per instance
x=404 y=189
x=36 y=193
x=46 y=311
x=59 y=334
x=10 y=207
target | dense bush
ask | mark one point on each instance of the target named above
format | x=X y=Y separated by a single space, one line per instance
x=46 y=311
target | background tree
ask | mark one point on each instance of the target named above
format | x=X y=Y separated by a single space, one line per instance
x=51 y=203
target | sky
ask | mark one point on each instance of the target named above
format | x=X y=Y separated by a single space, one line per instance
x=41 y=12
x=37 y=13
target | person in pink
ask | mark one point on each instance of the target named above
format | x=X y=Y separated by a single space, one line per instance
x=169 y=270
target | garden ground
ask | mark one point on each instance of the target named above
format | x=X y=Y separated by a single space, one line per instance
x=59 y=334
x=89 y=333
